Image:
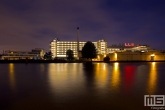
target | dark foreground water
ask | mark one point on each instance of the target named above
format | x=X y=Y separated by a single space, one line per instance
x=78 y=86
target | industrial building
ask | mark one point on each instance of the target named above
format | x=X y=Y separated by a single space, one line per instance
x=36 y=53
x=134 y=56
x=59 y=48
x=121 y=52
x=128 y=47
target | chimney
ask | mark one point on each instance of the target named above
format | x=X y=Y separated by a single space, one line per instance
x=78 y=42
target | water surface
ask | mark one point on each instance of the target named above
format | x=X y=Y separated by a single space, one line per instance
x=78 y=86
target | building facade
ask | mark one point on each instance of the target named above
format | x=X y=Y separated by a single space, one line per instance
x=138 y=56
x=36 y=53
x=59 y=48
x=128 y=48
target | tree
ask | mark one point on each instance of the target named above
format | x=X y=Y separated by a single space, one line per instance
x=106 y=58
x=69 y=54
x=89 y=50
x=48 y=55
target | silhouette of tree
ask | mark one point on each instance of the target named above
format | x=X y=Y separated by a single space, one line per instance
x=48 y=55
x=106 y=58
x=69 y=54
x=89 y=50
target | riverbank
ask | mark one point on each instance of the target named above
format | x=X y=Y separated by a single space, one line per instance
x=64 y=61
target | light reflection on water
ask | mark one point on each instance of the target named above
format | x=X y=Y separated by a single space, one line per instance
x=129 y=78
x=101 y=75
x=71 y=84
x=115 y=75
x=12 y=77
x=152 y=81
x=65 y=80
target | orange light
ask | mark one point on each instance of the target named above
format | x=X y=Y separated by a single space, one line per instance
x=152 y=55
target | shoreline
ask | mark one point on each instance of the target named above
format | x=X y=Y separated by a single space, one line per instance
x=63 y=61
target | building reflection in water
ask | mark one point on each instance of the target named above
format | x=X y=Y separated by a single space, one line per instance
x=65 y=80
x=12 y=76
x=152 y=81
x=57 y=76
x=115 y=75
x=129 y=74
x=101 y=73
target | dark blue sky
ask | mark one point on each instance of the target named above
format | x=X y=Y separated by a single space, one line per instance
x=27 y=24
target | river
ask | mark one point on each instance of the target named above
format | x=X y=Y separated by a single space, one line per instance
x=78 y=86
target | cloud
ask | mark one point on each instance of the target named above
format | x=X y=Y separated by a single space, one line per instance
x=26 y=24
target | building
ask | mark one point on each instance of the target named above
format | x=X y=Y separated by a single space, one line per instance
x=137 y=56
x=39 y=51
x=101 y=47
x=36 y=53
x=128 y=47
x=59 y=48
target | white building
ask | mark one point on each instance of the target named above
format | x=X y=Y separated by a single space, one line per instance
x=59 y=48
x=101 y=47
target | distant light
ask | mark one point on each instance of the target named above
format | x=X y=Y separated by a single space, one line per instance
x=104 y=67
x=152 y=55
x=116 y=56
x=153 y=63
x=129 y=44
x=116 y=66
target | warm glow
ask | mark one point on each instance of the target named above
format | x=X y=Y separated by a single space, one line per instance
x=101 y=74
x=59 y=49
x=116 y=66
x=11 y=68
x=153 y=64
x=98 y=57
x=115 y=75
x=152 y=78
x=63 y=76
x=104 y=67
x=152 y=55
x=115 y=56
x=12 y=76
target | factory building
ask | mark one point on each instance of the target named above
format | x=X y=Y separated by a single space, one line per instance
x=37 y=53
x=59 y=48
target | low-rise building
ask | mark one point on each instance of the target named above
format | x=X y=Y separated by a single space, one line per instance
x=137 y=56
x=128 y=48
x=36 y=53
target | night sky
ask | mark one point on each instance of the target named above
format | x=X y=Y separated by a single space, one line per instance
x=27 y=24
